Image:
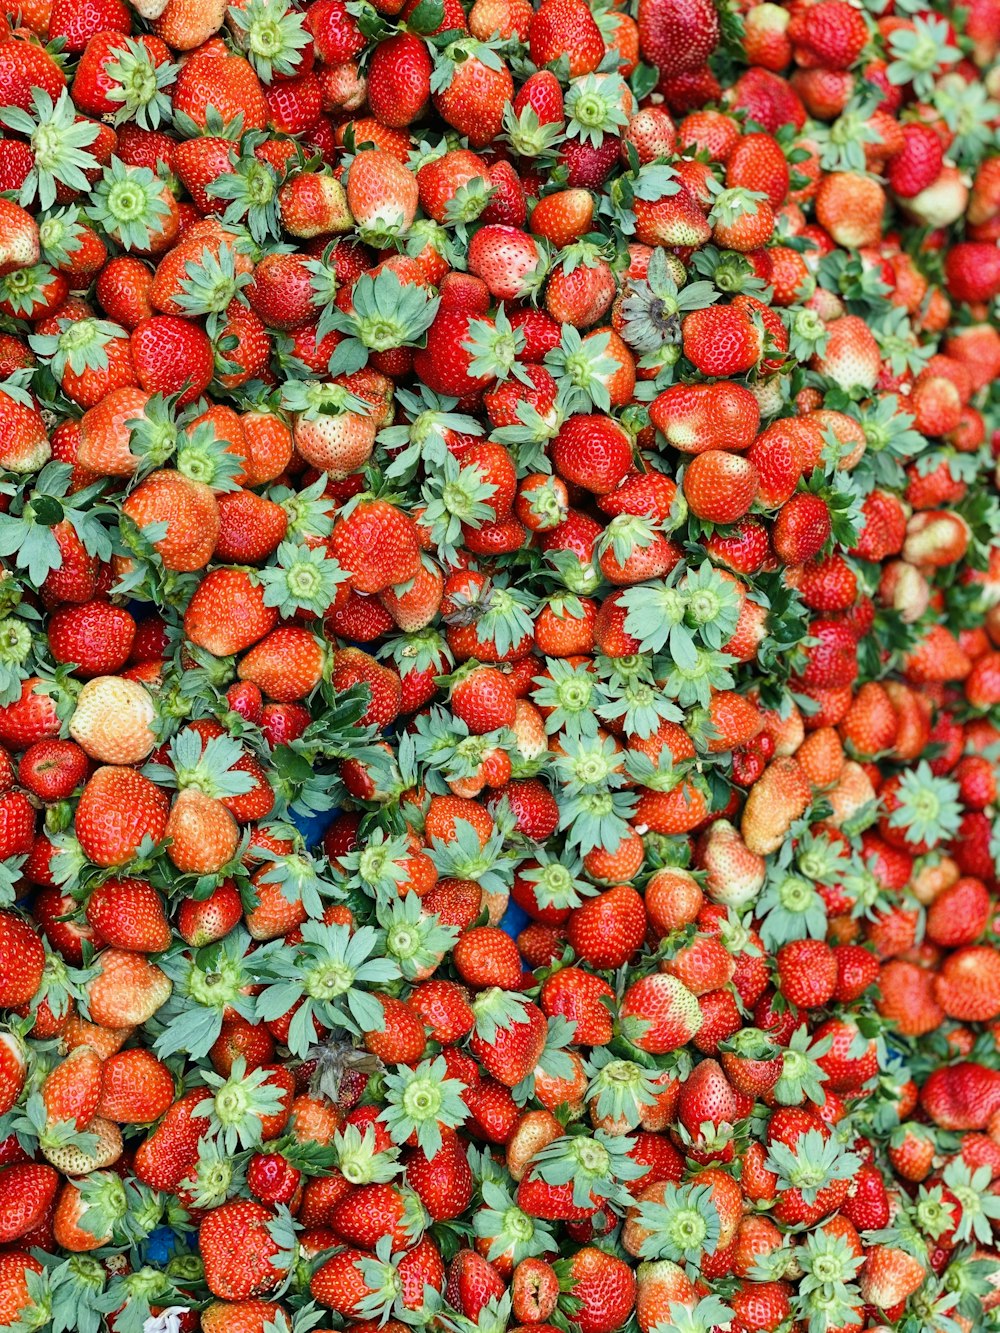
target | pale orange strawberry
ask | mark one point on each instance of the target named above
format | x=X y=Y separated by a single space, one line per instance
x=203 y=834
x=776 y=800
x=127 y=989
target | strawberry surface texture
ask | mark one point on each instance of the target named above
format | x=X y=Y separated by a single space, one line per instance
x=499 y=666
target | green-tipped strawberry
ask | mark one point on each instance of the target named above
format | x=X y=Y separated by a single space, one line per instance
x=659 y=1014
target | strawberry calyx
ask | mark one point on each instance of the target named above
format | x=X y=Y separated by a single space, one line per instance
x=596 y=106
x=506 y=1226
x=305 y=578
x=128 y=202
x=211 y=282
x=623 y=1089
x=421 y=1102
x=360 y=1161
x=58 y=143
x=594 y=1168
x=417 y=941
x=582 y=368
x=681 y=1228
x=813 y=1164
x=79 y=345
x=801 y=1076
x=270 y=35
x=138 y=84
x=493 y=346
x=386 y=314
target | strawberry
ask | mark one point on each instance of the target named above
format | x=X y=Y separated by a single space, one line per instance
x=116 y=811
x=509 y=1036
x=779 y=798
x=592 y=451
x=802 y=529
x=24 y=960
x=721 y=340
x=607 y=929
x=238 y=1250
x=399 y=80
x=19 y=238
x=807 y=972
x=605 y=1286
x=28 y=1193
x=471 y=87
x=565 y=28
x=72 y=1090
x=190 y=511
x=128 y=914
x=126 y=990
x=660 y=1014
x=472 y=1283
x=136 y=1087
x=889 y=1275
x=720 y=487
x=677 y=35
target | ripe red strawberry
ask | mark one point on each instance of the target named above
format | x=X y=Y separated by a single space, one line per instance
x=593 y=452
x=472 y=1283
x=721 y=340
x=677 y=36
x=23 y=957
x=117 y=810
x=509 y=1037
x=136 y=1087
x=720 y=487
x=473 y=93
x=660 y=1014
x=607 y=929
x=399 y=80
x=443 y=1182
x=807 y=972
x=565 y=28
x=172 y=355
x=29 y=1190
x=238 y=1250
x=128 y=914
x=801 y=529
x=606 y=1287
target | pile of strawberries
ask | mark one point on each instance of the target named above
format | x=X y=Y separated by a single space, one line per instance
x=499 y=666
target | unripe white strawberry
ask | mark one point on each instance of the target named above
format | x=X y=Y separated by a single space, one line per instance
x=113 y=721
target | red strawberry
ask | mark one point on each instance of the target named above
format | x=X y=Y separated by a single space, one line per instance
x=659 y=1013
x=23 y=958
x=677 y=35
x=28 y=1192
x=128 y=914
x=238 y=1250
